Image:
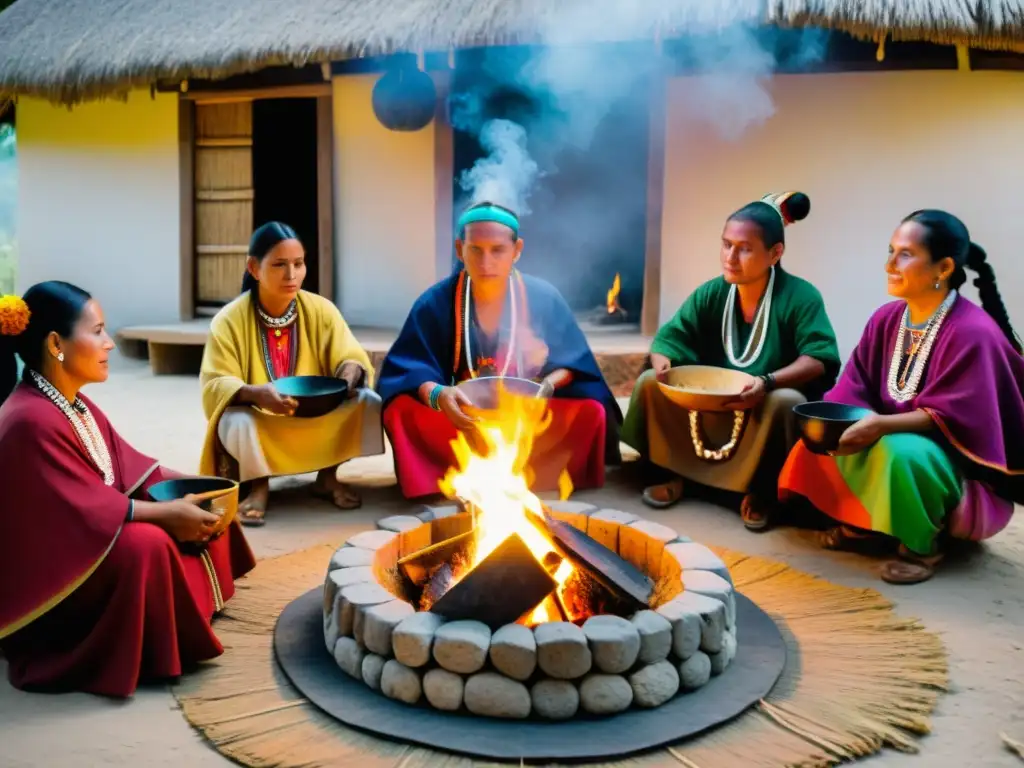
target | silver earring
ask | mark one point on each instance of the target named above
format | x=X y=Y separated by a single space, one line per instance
x=60 y=357
x=938 y=285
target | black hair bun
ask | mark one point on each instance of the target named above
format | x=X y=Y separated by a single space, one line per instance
x=796 y=207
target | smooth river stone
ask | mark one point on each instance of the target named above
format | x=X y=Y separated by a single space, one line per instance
x=555 y=699
x=712 y=585
x=443 y=689
x=642 y=543
x=461 y=646
x=605 y=694
x=603 y=526
x=722 y=659
x=372 y=540
x=350 y=557
x=614 y=642
x=413 y=638
x=690 y=555
x=428 y=514
x=373 y=667
x=514 y=651
x=695 y=671
x=655 y=636
x=575 y=513
x=354 y=597
x=712 y=616
x=399 y=682
x=349 y=656
x=686 y=624
x=399 y=523
x=340 y=578
x=562 y=650
x=654 y=684
x=380 y=623
x=492 y=695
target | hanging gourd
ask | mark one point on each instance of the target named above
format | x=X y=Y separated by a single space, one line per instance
x=404 y=99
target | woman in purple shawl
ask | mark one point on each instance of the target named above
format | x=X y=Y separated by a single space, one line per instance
x=943 y=453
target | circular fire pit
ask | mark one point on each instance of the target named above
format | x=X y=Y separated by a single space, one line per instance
x=388 y=624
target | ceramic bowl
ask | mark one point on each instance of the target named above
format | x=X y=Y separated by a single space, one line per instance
x=483 y=392
x=316 y=395
x=215 y=494
x=703 y=387
x=821 y=424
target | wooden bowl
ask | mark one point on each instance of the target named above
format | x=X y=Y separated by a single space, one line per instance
x=215 y=494
x=703 y=387
x=316 y=395
x=483 y=392
x=821 y=424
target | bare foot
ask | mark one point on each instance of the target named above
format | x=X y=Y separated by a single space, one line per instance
x=253 y=510
x=328 y=486
x=664 y=495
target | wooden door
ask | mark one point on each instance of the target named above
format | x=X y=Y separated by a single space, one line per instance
x=223 y=199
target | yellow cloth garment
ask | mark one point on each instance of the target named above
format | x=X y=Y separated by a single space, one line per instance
x=233 y=358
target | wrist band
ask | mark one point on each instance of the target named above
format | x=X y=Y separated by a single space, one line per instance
x=769 y=381
x=435 y=394
x=131 y=511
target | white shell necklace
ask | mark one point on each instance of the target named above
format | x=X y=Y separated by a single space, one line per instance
x=84 y=424
x=918 y=358
x=758 y=332
x=466 y=316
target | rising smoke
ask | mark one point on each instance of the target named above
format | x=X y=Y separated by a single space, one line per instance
x=572 y=88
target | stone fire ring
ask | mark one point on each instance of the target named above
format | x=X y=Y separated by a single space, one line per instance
x=539 y=694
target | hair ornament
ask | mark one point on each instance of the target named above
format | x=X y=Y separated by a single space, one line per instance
x=14 y=315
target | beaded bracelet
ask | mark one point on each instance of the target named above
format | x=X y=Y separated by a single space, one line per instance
x=435 y=395
x=131 y=511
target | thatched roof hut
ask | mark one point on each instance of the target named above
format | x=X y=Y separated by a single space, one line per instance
x=72 y=50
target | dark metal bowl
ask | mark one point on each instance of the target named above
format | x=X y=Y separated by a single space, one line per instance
x=316 y=395
x=821 y=423
x=483 y=392
x=217 y=494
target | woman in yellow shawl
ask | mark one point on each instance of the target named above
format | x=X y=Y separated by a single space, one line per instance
x=274 y=330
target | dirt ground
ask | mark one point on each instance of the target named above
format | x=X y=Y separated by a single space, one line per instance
x=976 y=604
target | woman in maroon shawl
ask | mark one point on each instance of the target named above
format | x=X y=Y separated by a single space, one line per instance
x=95 y=593
x=943 y=453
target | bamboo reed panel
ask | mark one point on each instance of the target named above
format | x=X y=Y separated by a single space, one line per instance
x=223 y=168
x=227 y=141
x=225 y=195
x=228 y=221
x=227 y=120
x=219 y=276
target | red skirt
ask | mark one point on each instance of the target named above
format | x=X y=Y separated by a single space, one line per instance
x=144 y=614
x=421 y=439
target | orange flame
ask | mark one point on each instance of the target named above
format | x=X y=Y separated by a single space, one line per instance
x=613 y=295
x=491 y=475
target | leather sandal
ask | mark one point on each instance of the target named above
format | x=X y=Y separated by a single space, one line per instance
x=910 y=568
x=663 y=495
x=755 y=514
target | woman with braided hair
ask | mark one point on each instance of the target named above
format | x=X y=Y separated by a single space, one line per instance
x=757 y=318
x=943 y=453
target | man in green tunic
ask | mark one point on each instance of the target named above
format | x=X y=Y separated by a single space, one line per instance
x=755 y=318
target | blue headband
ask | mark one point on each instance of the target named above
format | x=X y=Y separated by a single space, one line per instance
x=488 y=213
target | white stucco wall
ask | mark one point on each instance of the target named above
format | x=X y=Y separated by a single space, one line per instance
x=98 y=203
x=384 y=210
x=868 y=149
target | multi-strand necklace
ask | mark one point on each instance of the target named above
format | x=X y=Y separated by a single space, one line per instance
x=904 y=380
x=758 y=333
x=84 y=424
x=275 y=327
x=466 y=317
x=739 y=421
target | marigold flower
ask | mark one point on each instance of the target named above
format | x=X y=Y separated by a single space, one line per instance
x=14 y=315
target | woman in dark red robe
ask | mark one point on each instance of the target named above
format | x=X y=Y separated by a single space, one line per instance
x=96 y=592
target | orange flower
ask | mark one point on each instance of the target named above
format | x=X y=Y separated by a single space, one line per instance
x=14 y=315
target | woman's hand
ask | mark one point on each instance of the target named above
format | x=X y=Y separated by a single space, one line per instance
x=450 y=402
x=186 y=522
x=267 y=398
x=353 y=373
x=661 y=365
x=861 y=435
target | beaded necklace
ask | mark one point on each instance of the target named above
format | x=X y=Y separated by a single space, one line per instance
x=276 y=326
x=759 y=331
x=466 y=316
x=83 y=423
x=902 y=384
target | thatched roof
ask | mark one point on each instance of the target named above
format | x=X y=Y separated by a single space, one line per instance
x=70 y=50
